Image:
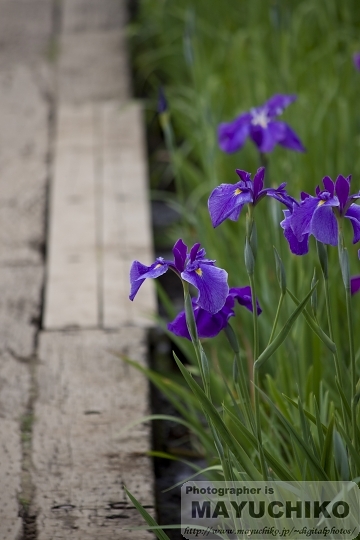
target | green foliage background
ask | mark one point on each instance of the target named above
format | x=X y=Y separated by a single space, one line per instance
x=215 y=60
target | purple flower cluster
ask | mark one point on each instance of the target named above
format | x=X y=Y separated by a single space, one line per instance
x=318 y=216
x=261 y=126
x=210 y=324
x=227 y=200
x=191 y=266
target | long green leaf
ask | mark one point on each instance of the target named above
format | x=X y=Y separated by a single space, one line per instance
x=307 y=413
x=213 y=415
x=343 y=399
x=312 y=460
x=354 y=455
x=275 y=344
x=327 y=457
x=319 y=425
x=149 y=519
x=314 y=326
x=250 y=439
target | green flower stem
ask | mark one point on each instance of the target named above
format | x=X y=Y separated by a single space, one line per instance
x=335 y=354
x=352 y=366
x=250 y=257
x=255 y=317
x=345 y=271
x=199 y=351
x=258 y=425
x=243 y=375
x=276 y=318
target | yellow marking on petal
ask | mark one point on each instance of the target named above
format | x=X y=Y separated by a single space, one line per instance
x=237 y=191
x=157 y=266
x=199 y=272
x=321 y=203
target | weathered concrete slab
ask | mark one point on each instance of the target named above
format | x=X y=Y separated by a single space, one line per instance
x=71 y=290
x=14 y=388
x=126 y=218
x=20 y=296
x=99 y=218
x=25 y=29
x=81 y=455
x=10 y=473
x=23 y=165
x=14 y=395
x=90 y=15
x=93 y=66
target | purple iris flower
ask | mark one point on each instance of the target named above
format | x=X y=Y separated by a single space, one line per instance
x=261 y=125
x=356 y=60
x=355 y=284
x=355 y=281
x=209 y=324
x=318 y=215
x=227 y=200
x=298 y=247
x=191 y=266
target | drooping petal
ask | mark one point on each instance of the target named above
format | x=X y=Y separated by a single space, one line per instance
x=297 y=247
x=342 y=189
x=178 y=326
x=288 y=138
x=277 y=103
x=302 y=216
x=139 y=272
x=211 y=282
x=355 y=284
x=234 y=216
x=232 y=135
x=179 y=252
x=244 y=297
x=265 y=138
x=324 y=225
x=280 y=195
x=225 y=200
x=353 y=213
x=208 y=324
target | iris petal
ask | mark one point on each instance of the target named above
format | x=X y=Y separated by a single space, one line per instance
x=329 y=185
x=139 y=272
x=179 y=252
x=355 y=284
x=353 y=213
x=225 y=200
x=277 y=103
x=302 y=216
x=289 y=139
x=211 y=282
x=324 y=226
x=210 y=324
x=232 y=135
x=298 y=247
x=259 y=181
x=342 y=188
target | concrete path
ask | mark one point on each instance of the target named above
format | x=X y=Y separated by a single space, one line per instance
x=74 y=213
